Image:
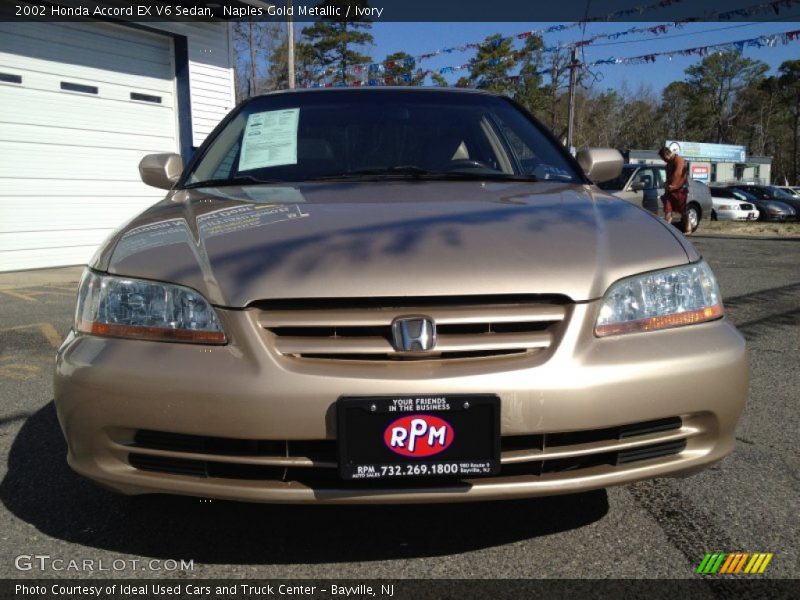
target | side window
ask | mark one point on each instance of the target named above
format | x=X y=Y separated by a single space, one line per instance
x=226 y=166
x=534 y=154
x=662 y=176
x=647 y=177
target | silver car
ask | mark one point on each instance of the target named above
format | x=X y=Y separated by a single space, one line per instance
x=643 y=185
x=388 y=295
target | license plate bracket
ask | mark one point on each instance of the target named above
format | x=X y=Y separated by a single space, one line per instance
x=418 y=436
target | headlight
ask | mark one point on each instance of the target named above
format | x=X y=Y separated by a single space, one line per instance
x=660 y=300
x=145 y=310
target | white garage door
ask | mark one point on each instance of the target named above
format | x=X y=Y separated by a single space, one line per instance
x=81 y=104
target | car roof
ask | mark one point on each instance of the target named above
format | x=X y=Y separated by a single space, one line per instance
x=410 y=89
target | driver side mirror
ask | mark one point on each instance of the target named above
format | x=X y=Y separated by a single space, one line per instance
x=161 y=170
x=637 y=186
x=600 y=164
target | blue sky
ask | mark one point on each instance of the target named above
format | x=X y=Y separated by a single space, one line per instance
x=418 y=38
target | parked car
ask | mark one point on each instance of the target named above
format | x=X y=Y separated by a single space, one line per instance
x=794 y=192
x=394 y=295
x=727 y=207
x=643 y=185
x=785 y=196
x=777 y=205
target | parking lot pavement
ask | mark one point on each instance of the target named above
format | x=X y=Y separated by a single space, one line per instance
x=749 y=502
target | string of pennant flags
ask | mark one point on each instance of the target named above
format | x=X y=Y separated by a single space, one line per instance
x=358 y=68
x=763 y=41
x=372 y=70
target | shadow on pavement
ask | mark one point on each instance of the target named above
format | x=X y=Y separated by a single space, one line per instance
x=40 y=489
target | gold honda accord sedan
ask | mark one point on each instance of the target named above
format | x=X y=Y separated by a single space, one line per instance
x=394 y=295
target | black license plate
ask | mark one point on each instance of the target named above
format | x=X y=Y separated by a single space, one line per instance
x=393 y=437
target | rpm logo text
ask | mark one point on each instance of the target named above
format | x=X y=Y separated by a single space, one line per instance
x=418 y=436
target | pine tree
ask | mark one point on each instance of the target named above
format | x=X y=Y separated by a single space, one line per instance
x=492 y=65
x=331 y=40
x=790 y=86
x=528 y=90
x=400 y=68
x=438 y=80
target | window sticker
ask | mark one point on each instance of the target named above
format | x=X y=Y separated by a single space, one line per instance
x=270 y=139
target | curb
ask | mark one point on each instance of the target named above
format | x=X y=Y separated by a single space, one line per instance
x=728 y=236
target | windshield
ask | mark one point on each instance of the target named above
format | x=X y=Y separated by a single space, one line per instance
x=618 y=182
x=359 y=134
x=742 y=195
x=757 y=193
x=781 y=194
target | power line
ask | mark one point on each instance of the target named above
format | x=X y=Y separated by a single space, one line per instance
x=659 y=29
x=361 y=67
x=676 y=35
x=768 y=40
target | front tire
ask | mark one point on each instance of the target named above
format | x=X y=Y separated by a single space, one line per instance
x=694 y=215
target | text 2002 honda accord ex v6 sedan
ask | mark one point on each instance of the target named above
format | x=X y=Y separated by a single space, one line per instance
x=383 y=295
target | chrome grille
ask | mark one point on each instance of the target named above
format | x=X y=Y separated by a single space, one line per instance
x=362 y=330
x=315 y=461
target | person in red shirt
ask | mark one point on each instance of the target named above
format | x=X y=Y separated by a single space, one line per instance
x=675 y=189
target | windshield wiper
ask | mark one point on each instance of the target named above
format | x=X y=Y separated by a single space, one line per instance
x=415 y=172
x=397 y=171
x=240 y=180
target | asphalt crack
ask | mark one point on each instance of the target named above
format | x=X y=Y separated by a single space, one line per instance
x=687 y=527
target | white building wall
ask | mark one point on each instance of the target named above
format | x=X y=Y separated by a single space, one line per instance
x=70 y=174
x=211 y=76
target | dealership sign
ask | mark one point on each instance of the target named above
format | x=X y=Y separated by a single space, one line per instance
x=714 y=152
x=700 y=172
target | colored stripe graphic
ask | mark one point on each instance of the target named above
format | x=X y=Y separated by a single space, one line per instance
x=703 y=563
x=764 y=564
x=729 y=562
x=734 y=563
x=753 y=562
x=742 y=560
x=711 y=563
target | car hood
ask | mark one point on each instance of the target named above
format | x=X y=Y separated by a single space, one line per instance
x=238 y=245
x=779 y=205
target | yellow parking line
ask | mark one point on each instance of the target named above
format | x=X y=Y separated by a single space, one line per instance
x=47 y=329
x=51 y=334
x=51 y=293
x=19 y=371
x=18 y=295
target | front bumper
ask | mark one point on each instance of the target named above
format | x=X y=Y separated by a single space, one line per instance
x=108 y=389
x=778 y=218
x=737 y=215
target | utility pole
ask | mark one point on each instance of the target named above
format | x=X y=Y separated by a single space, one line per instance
x=251 y=43
x=290 y=45
x=573 y=82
